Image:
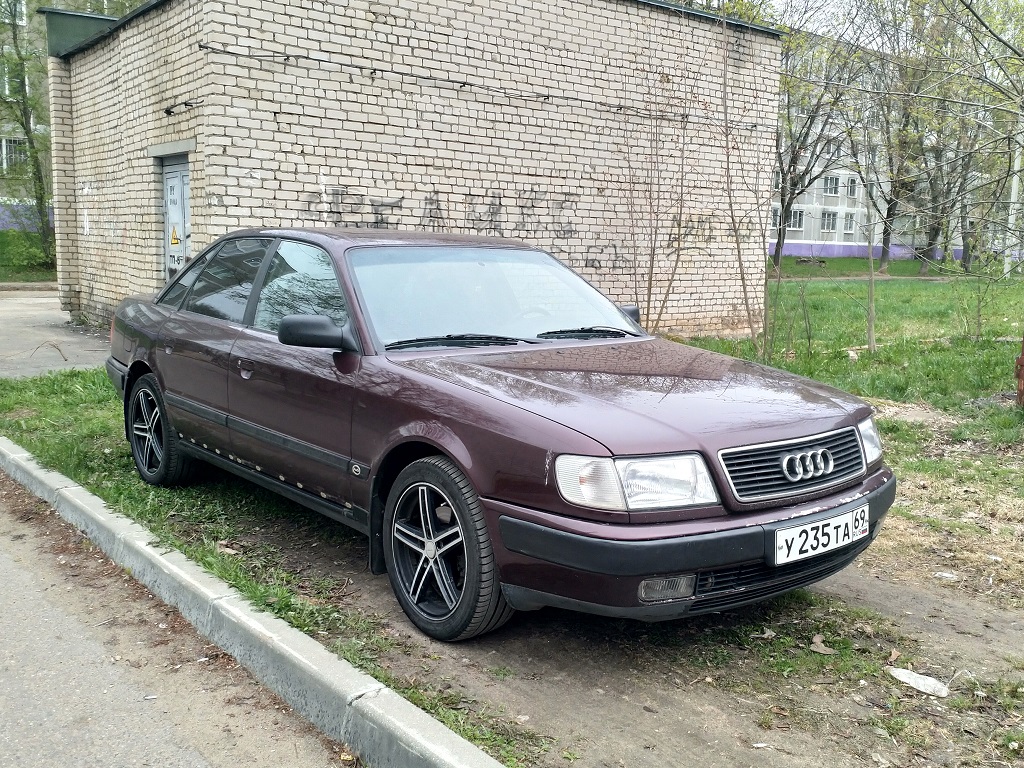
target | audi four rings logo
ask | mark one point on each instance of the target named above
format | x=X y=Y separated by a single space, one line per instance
x=803 y=466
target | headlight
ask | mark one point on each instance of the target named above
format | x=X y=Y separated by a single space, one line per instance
x=635 y=484
x=872 y=442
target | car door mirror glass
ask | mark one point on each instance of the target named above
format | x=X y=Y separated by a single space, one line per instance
x=632 y=311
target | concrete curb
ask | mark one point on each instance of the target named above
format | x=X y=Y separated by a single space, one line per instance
x=344 y=703
x=49 y=287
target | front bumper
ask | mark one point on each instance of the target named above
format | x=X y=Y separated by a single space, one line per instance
x=596 y=572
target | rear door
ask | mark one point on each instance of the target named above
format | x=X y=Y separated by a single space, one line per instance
x=291 y=407
x=192 y=355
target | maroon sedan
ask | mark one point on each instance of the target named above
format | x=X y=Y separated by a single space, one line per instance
x=506 y=436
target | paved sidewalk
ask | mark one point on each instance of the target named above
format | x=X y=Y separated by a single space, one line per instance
x=36 y=336
x=98 y=673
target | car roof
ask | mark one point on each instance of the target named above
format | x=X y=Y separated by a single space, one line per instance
x=347 y=237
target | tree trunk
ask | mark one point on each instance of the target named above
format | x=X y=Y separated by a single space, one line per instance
x=887 y=225
x=780 y=241
x=966 y=237
x=934 y=230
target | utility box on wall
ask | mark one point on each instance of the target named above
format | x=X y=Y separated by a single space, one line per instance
x=631 y=139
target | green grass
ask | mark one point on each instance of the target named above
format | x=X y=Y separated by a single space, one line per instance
x=905 y=309
x=924 y=331
x=22 y=259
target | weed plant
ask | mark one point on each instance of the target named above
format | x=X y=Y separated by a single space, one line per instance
x=22 y=258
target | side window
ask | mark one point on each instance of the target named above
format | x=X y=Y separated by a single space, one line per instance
x=300 y=281
x=176 y=291
x=223 y=287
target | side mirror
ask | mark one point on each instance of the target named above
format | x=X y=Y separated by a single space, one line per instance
x=316 y=331
x=632 y=311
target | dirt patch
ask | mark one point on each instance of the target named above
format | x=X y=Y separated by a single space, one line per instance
x=958 y=521
x=913 y=412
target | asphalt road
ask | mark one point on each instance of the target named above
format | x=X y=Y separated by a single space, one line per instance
x=95 y=671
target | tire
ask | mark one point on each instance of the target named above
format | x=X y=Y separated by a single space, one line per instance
x=438 y=554
x=151 y=437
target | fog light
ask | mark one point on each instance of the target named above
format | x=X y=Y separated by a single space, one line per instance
x=672 y=588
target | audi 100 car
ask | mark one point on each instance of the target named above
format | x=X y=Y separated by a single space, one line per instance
x=505 y=435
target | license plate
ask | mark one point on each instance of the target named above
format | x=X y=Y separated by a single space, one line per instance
x=811 y=539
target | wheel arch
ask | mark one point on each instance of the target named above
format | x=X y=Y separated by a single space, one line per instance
x=395 y=460
x=136 y=371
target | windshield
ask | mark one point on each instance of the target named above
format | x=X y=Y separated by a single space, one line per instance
x=425 y=295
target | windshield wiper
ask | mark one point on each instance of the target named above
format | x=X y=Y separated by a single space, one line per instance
x=589 y=332
x=457 y=339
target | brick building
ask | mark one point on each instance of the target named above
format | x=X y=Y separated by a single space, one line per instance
x=631 y=138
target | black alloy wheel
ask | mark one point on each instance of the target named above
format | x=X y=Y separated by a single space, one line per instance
x=439 y=555
x=154 y=448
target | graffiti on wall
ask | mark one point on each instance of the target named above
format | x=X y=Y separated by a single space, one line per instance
x=691 y=229
x=532 y=211
x=347 y=206
x=529 y=212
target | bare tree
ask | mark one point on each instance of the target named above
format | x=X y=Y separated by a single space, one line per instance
x=816 y=70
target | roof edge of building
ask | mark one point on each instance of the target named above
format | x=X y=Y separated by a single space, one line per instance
x=92 y=27
x=714 y=18
x=92 y=35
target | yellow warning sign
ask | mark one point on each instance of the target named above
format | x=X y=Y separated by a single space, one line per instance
x=175 y=240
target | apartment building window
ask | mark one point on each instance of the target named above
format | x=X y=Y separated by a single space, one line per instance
x=851 y=187
x=795 y=220
x=831 y=185
x=828 y=221
x=775 y=218
x=13 y=155
x=777 y=180
x=849 y=223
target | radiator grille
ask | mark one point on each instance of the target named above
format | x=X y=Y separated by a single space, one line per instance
x=756 y=472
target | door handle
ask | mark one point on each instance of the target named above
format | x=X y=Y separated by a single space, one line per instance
x=246 y=367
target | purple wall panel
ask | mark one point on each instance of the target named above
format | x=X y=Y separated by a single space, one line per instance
x=833 y=250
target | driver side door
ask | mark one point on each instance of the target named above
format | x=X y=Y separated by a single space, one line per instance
x=291 y=407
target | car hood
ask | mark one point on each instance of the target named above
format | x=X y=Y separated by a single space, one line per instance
x=649 y=395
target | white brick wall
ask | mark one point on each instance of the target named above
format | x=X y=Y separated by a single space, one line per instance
x=599 y=133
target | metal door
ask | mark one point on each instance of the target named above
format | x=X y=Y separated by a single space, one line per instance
x=176 y=218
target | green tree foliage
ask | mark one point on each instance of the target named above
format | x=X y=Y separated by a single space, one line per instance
x=24 y=107
x=23 y=112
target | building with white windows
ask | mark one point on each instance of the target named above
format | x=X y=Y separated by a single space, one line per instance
x=833 y=218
